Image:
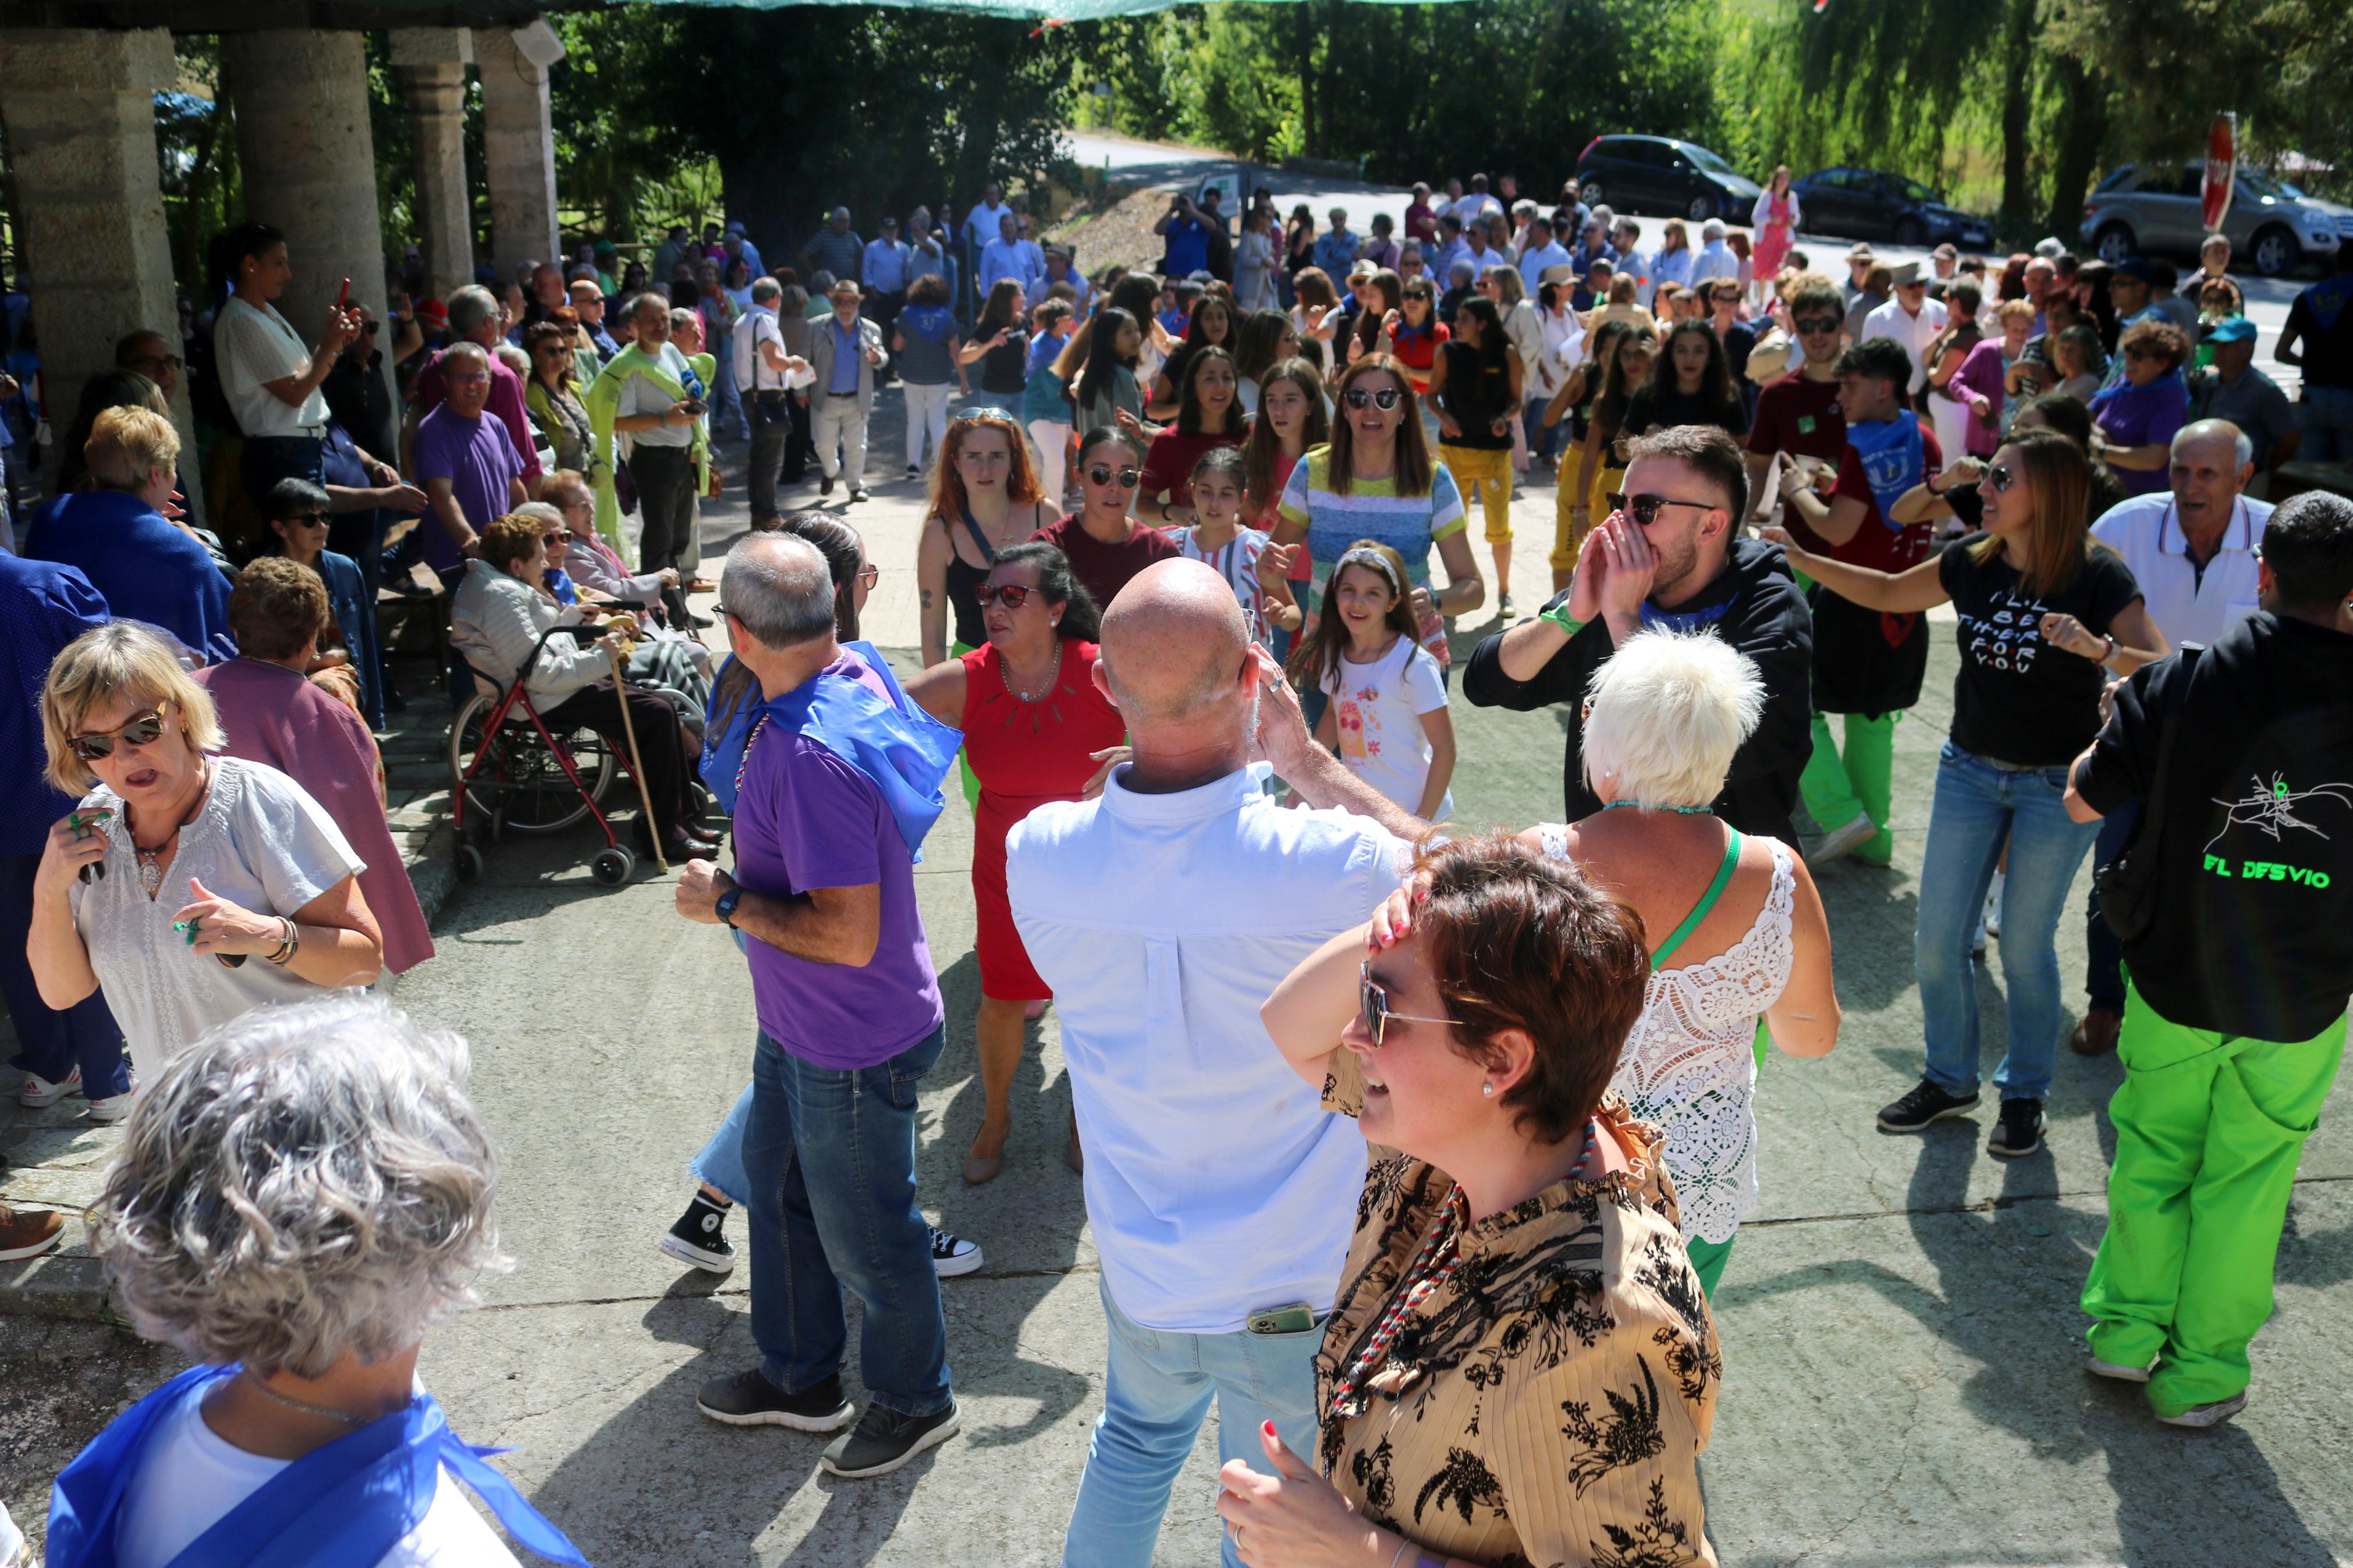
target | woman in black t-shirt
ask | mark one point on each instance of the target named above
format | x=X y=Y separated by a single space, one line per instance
x=2045 y=616
x=1002 y=346
x=1690 y=384
x=1475 y=382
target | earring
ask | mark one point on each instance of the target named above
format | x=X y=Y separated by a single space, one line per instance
x=1486 y=1088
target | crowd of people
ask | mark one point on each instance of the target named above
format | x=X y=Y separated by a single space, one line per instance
x=1400 y=1141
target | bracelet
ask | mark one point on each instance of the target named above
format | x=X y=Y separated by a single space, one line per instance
x=1558 y=616
x=1405 y=1544
x=289 y=944
x=2109 y=656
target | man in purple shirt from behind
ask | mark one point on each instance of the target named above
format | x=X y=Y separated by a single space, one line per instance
x=850 y=1022
x=465 y=460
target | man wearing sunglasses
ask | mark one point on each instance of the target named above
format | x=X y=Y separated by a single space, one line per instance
x=1671 y=556
x=1798 y=417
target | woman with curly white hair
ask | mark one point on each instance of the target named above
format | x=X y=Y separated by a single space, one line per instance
x=1735 y=926
x=299 y=1196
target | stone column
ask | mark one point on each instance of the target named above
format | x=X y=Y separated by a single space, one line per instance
x=309 y=162
x=432 y=64
x=80 y=111
x=519 y=146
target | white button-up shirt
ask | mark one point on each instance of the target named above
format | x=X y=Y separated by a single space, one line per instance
x=1915 y=332
x=756 y=326
x=2188 y=605
x=1214 y=1184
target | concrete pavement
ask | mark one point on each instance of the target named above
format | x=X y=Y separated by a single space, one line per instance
x=1902 y=1351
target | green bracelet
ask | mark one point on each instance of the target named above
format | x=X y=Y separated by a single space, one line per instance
x=1558 y=616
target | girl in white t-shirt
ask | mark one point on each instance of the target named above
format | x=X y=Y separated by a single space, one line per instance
x=1388 y=716
x=1218 y=538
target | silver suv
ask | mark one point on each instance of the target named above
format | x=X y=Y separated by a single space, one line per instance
x=2154 y=209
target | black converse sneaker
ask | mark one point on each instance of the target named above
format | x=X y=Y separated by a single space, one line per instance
x=1927 y=1103
x=885 y=1440
x=749 y=1399
x=2019 y=1131
x=951 y=1254
x=699 y=1237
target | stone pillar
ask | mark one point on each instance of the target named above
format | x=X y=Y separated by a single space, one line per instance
x=519 y=146
x=80 y=111
x=432 y=64
x=309 y=162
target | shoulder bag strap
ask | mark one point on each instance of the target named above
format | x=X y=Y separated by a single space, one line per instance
x=1706 y=899
x=980 y=540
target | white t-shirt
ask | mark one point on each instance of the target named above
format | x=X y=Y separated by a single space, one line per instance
x=757 y=326
x=1378 y=708
x=639 y=395
x=253 y=344
x=190 y=1477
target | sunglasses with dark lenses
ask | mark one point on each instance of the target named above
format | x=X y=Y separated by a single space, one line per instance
x=554 y=541
x=368 y=329
x=1999 y=479
x=308 y=518
x=1127 y=478
x=1811 y=326
x=1012 y=595
x=1382 y=399
x=1644 y=509
x=140 y=730
x=1372 y=1006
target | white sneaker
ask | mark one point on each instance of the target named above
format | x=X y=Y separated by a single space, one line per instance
x=2211 y=1414
x=112 y=1108
x=2116 y=1370
x=1992 y=921
x=39 y=1093
x=1839 y=840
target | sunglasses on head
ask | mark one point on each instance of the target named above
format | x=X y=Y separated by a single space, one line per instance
x=1373 y=1007
x=1813 y=325
x=1382 y=399
x=1101 y=474
x=140 y=730
x=1644 y=509
x=1012 y=595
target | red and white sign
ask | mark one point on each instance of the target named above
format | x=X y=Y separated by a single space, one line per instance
x=2221 y=171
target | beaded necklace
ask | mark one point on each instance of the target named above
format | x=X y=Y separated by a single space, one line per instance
x=1678 y=810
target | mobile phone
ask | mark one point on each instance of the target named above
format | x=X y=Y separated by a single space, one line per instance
x=1296 y=1318
x=95 y=870
x=344 y=295
x=695 y=405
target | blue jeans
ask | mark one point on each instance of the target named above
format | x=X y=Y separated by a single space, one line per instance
x=1157 y=1389
x=720 y=1164
x=830 y=1160
x=1979 y=804
x=84 y=1035
x=2325 y=417
x=2104 y=969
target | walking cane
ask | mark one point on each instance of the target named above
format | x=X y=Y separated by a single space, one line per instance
x=637 y=763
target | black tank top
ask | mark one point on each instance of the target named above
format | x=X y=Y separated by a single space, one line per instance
x=964 y=581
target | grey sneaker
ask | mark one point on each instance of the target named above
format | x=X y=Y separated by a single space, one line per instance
x=1839 y=840
x=2211 y=1414
x=2116 y=1370
x=749 y=1399
x=884 y=1440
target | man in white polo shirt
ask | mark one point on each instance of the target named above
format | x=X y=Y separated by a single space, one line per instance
x=1163 y=915
x=1911 y=318
x=2192 y=548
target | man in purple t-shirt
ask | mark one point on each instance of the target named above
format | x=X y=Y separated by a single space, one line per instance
x=466 y=461
x=850 y=1022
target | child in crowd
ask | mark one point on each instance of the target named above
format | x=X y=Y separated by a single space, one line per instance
x=1045 y=410
x=1218 y=538
x=1177 y=298
x=1388 y=715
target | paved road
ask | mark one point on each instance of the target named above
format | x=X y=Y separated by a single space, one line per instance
x=1901 y=1343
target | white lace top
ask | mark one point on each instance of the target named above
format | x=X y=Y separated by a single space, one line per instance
x=1690 y=1065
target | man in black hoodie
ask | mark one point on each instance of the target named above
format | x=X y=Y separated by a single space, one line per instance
x=2239 y=982
x=1669 y=556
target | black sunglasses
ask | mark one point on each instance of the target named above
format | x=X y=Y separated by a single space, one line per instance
x=1812 y=325
x=1012 y=595
x=1382 y=399
x=1999 y=479
x=307 y=519
x=1644 y=509
x=140 y=730
x=1101 y=475
x=1373 y=1007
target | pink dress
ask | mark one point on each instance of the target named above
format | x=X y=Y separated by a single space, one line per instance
x=1774 y=233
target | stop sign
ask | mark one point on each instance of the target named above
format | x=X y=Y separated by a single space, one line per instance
x=2221 y=170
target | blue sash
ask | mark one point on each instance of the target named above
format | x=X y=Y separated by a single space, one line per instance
x=341 y=1506
x=1894 y=455
x=1682 y=621
x=904 y=750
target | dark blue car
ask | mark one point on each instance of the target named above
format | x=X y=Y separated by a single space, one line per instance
x=1871 y=203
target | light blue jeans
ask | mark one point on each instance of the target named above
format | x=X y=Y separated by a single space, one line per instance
x=720 y=1165
x=1157 y=1389
x=1979 y=803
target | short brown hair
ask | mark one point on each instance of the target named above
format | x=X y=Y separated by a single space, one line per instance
x=1517 y=941
x=276 y=608
x=1706 y=449
x=510 y=539
x=2163 y=338
x=126 y=443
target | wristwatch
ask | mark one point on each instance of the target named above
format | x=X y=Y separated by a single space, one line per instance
x=725 y=907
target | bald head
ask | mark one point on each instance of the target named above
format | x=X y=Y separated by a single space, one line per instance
x=1174 y=646
x=2222 y=444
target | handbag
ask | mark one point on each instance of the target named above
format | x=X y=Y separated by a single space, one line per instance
x=2127 y=885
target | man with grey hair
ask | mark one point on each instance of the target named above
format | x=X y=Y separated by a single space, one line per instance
x=299 y=1195
x=474 y=319
x=760 y=367
x=836 y=249
x=658 y=399
x=1163 y=915
x=850 y=1022
x=464 y=460
x=845 y=354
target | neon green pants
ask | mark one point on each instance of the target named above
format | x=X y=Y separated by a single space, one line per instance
x=2208 y=1129
x=964 y=765
x=1840 y=785
x=1708 y=1258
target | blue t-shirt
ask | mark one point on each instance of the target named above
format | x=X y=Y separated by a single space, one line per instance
x=43 y=607
x=1188 y=246
x=805 y=818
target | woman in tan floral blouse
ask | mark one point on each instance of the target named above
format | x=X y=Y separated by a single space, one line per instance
x=1519 y=1367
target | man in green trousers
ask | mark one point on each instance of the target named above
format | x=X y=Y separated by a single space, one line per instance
x=2240 y=977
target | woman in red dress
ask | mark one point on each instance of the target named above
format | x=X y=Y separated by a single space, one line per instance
x=1033 y=724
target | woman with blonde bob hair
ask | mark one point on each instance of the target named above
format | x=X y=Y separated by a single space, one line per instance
x=272 y=910
x=301 y=1197
x=1739 y=930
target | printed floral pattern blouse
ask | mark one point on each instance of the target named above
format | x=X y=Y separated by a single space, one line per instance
x=1546 y=1404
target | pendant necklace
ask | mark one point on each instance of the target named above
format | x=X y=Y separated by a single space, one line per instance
x=1053 y=674
x=150 y=861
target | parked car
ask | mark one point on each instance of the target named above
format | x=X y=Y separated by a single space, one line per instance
x=2155 y=210
x=1871 y=203
x=1664 y=175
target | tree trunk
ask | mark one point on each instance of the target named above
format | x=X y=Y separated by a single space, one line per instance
x=2086 y=106
x=1311 y=131
x=2017 y=118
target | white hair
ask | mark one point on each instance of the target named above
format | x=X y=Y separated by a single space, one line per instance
x=543 y=512
x=1667 y=713
x=2189 y=435
x=1711 y=229
x=302 y=1183
x=469 y=307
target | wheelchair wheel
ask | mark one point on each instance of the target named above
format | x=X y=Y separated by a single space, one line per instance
x=612 y=866
x=470 y=863
x=532 y=794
